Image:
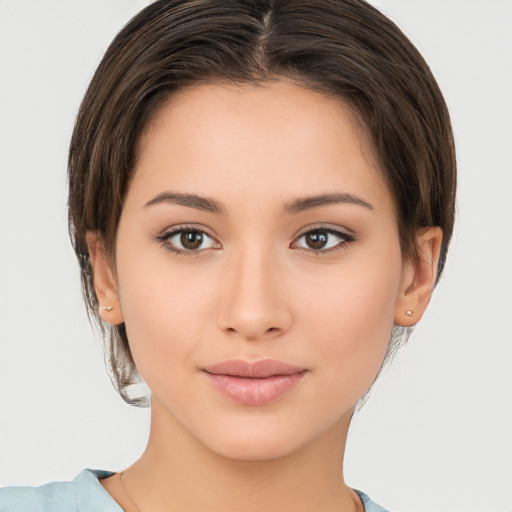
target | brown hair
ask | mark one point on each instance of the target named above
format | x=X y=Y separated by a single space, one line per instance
x=343 y=48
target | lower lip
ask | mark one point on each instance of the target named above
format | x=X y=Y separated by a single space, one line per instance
x=259 y=391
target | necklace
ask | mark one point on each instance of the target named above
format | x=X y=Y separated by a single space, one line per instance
x=357 y=501
x=126 y=492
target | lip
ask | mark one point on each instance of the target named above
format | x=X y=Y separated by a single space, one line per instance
x=254 y=382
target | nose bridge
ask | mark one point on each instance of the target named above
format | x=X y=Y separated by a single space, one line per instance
x=253 y=306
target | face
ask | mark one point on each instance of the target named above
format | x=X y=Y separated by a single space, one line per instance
x=258 y=267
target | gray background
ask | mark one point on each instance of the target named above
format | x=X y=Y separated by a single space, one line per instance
x=436 y=433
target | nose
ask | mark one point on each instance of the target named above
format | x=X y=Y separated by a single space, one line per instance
x=253 y=304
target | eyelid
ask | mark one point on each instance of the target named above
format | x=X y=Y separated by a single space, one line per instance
x=171 y=231
x=331 y=228
x=345 y=235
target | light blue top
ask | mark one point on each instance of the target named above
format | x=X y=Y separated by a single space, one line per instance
x=83 y=494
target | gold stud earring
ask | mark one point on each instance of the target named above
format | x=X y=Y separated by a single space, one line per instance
x=409 y=312
x=107 y=308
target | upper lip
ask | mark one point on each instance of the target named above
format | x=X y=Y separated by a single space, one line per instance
x=253 y=369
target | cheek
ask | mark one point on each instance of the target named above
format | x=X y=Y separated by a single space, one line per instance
x=166 y=313
x=350 y=315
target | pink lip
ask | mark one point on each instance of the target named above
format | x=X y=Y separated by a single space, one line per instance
x=254 y=383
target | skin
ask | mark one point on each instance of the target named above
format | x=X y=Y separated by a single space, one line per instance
x=253 y=290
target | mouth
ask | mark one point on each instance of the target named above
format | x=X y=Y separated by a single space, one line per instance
x=254 y=383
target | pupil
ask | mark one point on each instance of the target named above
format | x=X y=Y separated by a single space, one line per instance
x=191 y=240
x=317 y=240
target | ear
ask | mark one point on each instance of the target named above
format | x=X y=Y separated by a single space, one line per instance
x=104 y=281
x=419 y=278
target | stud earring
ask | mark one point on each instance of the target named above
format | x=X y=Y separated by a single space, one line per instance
x=409 y=312
x=107 y=308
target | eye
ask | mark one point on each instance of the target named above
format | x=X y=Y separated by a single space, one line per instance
x=187 y=240
x=323 y=239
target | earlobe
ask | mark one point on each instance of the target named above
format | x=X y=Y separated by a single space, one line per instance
x=104 y=281
x=419 y=278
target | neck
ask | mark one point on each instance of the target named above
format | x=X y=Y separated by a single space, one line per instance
x=177 y=472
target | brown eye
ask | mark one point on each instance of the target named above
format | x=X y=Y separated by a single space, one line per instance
x=316 y=239
x=323 y=239
x=187 y=240
x=191 y=240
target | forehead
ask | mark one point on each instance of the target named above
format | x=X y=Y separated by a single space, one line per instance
x=217 y=138
x=263 y=105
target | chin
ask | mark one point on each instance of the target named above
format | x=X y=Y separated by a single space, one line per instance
x=259 y=441
x=260 y=449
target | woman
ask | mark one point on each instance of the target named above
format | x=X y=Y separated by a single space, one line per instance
x=261 y=200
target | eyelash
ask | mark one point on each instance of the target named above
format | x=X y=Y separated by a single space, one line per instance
x=164 y=240
x=344 y=239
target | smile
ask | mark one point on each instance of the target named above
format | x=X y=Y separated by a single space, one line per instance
x=254 y=383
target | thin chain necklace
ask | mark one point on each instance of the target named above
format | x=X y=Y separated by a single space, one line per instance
x=358 y=503
x=126 y=492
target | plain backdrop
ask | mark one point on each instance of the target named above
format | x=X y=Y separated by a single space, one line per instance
x=436 y=434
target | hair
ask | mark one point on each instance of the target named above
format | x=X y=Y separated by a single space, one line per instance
x=346 y=49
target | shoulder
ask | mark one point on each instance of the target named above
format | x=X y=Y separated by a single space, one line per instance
x=369 y=505
x=84 y=494
x=50 y=497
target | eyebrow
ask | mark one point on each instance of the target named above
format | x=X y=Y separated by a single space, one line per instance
x=189 y=200
x=310 y=202
x=297 y=206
